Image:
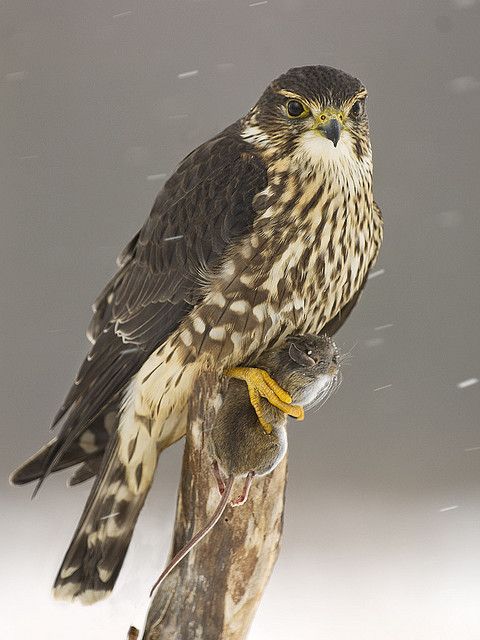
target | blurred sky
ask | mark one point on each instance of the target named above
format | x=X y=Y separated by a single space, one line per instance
x=99 y=102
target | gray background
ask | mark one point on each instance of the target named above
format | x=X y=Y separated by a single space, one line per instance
x=382 y=532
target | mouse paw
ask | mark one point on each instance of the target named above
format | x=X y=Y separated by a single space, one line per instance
x=242 y=498
x=261 y=385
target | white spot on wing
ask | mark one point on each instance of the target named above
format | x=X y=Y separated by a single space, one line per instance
x=239 y=306
x=217 y=298
x=236 y=338
x=199 y=325
x=186 y=338
x=298 y=302
x=259 y=312
x=229 y=268
x=87 y=442
x=217 y=333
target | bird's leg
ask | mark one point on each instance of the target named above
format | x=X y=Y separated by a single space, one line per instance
x=262 y=385
x=218 y=477
x=242 y=498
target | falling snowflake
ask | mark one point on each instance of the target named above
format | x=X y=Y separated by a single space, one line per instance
x=467 y=383
x=375 y=274
x=188 y=74
x=464 y=84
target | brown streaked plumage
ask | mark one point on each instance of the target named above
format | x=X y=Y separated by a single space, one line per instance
x=266 y=230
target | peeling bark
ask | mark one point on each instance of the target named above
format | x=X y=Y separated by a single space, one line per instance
x=214 y=592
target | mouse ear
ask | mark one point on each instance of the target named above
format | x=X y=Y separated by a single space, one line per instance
x=299 y=356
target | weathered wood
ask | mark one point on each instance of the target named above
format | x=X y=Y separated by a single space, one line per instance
x=214 y=592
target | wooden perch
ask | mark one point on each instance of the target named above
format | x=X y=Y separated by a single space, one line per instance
x=214 y=592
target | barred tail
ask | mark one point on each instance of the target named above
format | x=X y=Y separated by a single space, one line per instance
x=96 y=554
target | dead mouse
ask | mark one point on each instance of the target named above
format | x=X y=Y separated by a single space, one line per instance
x=307 y=367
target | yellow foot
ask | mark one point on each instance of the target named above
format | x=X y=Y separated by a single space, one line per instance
x=261 y=384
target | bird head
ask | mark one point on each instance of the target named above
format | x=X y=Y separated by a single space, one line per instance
x=313 y=114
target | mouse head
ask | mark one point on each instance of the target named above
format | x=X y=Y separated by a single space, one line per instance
x=314 y=351
x=315 y=369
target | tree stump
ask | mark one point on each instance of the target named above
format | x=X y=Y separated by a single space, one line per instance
x=214 y=592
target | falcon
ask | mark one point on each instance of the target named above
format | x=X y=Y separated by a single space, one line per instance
x=268 y=229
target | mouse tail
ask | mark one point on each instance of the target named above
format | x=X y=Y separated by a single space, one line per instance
x=178 y=557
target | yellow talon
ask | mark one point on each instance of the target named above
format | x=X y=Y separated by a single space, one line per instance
x=261 y=384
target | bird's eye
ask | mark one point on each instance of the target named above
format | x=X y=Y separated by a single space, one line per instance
x=358 y=108
x=296 y=109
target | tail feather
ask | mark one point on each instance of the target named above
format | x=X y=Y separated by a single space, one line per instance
x=89 y=469
x=88 y=448
x=98 y=548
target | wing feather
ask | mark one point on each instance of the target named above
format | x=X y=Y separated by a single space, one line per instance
x=204 y=206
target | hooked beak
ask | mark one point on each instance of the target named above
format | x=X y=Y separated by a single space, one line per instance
x=331 y=130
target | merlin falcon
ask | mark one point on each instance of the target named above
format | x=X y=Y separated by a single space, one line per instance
x=268 y=229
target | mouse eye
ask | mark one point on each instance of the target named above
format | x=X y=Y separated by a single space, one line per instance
x=299 y=356
x=296 y=109
x=309 y=352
